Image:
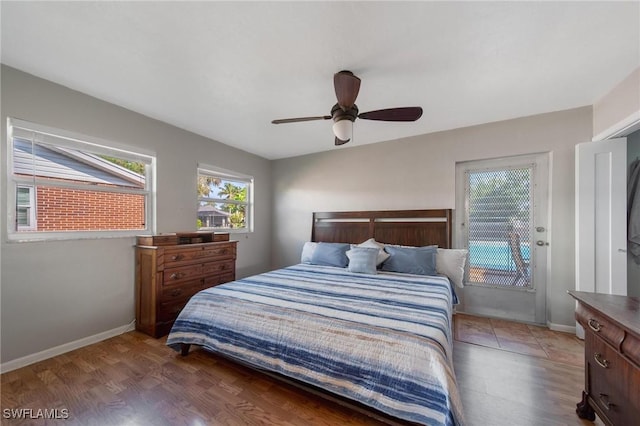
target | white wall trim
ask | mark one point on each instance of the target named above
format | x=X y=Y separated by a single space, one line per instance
x=64 y=348
x=551 y=326
x=622 y=128
x=561 y=327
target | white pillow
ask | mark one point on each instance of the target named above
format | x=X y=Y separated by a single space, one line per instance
x=450 y=262
x=307 y=252
x=372 y=243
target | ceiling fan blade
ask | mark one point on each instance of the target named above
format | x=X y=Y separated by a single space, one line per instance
x=393 y=114
x=347 y=87
x=295 y=120
x=341 y=142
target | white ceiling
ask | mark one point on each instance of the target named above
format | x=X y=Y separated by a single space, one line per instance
x=226 y=69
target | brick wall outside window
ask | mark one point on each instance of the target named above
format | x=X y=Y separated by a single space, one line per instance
x=64 y=209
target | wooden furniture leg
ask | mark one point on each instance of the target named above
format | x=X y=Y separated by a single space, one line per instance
x=584 y=410
x=184 y=349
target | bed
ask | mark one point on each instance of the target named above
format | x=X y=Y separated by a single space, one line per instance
x=381 y=340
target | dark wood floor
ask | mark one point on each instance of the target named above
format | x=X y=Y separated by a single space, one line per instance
x=133 y=379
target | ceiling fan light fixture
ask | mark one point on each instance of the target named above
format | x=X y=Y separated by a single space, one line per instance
x=343 y=129
x=345 y=111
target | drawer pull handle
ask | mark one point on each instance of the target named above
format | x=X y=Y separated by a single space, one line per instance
x=601 y=361
x=176 y=275
x=176 y=292
x=177 y=257
x=604 y=398
x=594 y=325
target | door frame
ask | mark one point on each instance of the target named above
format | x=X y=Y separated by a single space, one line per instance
x=486 y=295
x=621 y=129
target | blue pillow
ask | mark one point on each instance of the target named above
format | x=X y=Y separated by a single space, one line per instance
x=363 y=260
x=411 y=260
x=331 y=254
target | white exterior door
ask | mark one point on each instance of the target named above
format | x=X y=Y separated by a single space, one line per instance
x=501 y=218
x=601 y=216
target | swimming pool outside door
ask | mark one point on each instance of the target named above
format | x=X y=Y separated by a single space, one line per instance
x=501 y=220
x=497 y=258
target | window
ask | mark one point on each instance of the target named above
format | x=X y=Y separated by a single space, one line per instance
x=498 y=231
x=70 y=186
x=224 y=200
x=25 y=208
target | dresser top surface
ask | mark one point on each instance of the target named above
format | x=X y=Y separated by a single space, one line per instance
x=624 y=310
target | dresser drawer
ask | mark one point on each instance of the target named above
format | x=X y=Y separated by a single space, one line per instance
x=609 y=381
x=180 y=292
x=595 y=322
x=217 y=267
x=187 y=255
x=168 y=311
x=220 y=251
x=176 y=256
x=219 y=279
x=175 y=275
x=631 y=349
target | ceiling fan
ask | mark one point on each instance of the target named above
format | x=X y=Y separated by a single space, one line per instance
x=345 y=111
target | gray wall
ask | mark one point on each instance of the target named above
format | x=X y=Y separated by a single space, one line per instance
x=56 y=292
x=53 y=293
x=633 y=269
x=617 y=106
x=419 y=173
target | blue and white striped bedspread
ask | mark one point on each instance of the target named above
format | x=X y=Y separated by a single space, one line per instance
x=384 y=340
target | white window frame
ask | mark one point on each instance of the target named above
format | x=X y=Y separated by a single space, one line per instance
x=217 y=172
x=63 y=139
x=32 y=209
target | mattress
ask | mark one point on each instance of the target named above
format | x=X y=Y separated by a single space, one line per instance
x=383 y=340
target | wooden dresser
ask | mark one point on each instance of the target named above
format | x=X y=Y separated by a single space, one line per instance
x=172 y=268
x=612 y=357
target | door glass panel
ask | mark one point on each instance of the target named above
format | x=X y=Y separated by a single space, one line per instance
x=499 y=215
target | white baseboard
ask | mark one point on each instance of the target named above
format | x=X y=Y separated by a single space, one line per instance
x=561 y=327
x=14 y=364
x=550 y=325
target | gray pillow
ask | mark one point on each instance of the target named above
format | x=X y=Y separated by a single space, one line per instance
x=307 y=252
x=363 y=260
x=330 y=254
x=411 y=260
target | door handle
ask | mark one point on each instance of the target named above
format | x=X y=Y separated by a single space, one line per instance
x=594 y=325
x=604 y=398
x=542 y=243
x=601 y=361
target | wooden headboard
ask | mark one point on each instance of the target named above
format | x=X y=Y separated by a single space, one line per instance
x=404 y=227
